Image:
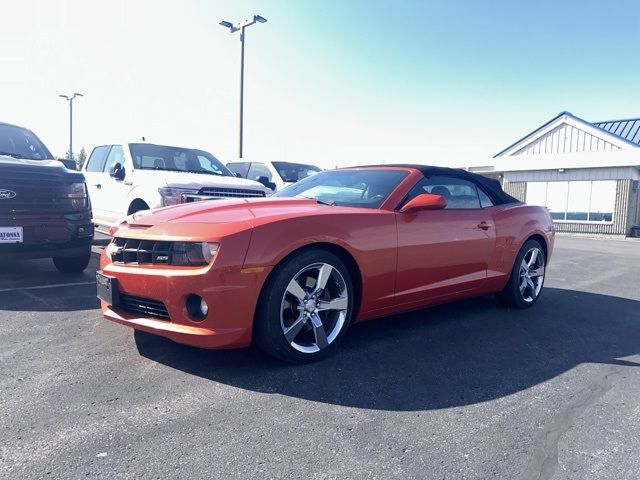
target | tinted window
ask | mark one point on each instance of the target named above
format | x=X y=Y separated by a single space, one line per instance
x=258 y=170
x=116 y=155
x=458 y=193
x=97 y=159
x=367 y=188
x=19 y=142
x=239 y=167
x=147 y=156
x=485 y=201
x=292 y=172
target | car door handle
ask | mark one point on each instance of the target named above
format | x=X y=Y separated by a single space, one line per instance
x=98 y=185
x=484 y=225
x=128 y=182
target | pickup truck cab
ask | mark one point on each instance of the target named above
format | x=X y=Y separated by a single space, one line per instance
x=128 y=177
x=44 y=207
x=274 y=175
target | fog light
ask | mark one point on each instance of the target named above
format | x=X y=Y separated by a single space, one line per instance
x=197 y=307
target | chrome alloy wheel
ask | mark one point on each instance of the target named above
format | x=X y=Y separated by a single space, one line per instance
x=314 y=308
x=531 y=274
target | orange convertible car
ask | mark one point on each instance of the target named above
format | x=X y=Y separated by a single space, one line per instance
x=291 y=272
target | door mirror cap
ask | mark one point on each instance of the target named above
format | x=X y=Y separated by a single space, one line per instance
x=424 y=201
x=117 y=171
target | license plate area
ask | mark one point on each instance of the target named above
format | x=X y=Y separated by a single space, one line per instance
x=11 y=235
x=107 y=289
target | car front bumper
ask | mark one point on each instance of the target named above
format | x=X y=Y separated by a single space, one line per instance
x=230 y=293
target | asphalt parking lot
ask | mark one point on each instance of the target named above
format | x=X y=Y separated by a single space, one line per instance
x=467 y=390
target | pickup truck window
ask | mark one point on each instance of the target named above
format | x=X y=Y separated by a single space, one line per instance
x=116 y=155
x=147 y=156
x=258 y=170
x=97 y=159
x=239 y=167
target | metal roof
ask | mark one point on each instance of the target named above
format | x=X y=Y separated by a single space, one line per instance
x=628 y=129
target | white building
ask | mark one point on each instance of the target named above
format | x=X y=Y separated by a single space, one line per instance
x=586 y=173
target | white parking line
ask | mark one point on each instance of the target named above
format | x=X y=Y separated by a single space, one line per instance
x=40 y=287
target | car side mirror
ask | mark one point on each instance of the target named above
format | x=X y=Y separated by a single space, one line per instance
x=69 y=163
x=424 y=201
x=117 y=171
x=239 y=175
x=265 y=181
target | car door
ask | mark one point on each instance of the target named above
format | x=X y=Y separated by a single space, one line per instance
x=444 y=252
x=115 y=190
x=94 y=175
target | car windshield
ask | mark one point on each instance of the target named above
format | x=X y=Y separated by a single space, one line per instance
x=366 y=188
x=147 y=156
x=292 y=172
x=19 y=142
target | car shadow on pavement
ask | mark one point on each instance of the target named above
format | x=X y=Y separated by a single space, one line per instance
x=456 y=354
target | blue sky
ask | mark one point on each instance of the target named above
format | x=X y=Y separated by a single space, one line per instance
x=333 y=82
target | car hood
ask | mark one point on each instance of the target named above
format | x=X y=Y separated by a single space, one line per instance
x=37 y=169
x=223 y=216
x=199 y=180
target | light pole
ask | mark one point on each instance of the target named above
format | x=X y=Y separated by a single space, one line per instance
x=241 y=26
x=70 y=100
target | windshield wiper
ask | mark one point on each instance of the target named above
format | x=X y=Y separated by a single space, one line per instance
x=321 y=202
x=16 y=155
x=202 y=171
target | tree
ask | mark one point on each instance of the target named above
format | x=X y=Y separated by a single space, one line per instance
x=69 y=155
x=82 y=157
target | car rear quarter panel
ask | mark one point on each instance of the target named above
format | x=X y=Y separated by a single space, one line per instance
x=369 y=236
x=515 y=224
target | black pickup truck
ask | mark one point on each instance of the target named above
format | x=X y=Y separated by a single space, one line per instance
x=45 y=210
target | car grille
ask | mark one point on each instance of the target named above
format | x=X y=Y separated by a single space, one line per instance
x=230 y=192
x=144 y=306
x=142 y=251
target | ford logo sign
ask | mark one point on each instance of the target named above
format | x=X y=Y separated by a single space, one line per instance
x=7 y=194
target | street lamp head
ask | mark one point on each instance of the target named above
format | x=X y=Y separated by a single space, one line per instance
x=78 y=95
x=260 y=19
x=64 y=96
x=226 y=24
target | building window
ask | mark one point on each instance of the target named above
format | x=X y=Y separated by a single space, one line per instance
x=575 y=201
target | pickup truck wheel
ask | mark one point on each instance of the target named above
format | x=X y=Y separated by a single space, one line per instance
x=72 y=264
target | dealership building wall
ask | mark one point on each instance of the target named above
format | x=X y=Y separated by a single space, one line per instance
x=586 y=174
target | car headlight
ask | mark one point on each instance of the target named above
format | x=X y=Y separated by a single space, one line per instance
x=193 y=253
x=75 y=195
x=173 y=196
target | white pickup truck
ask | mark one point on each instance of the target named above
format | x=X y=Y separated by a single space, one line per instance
x=125 y=178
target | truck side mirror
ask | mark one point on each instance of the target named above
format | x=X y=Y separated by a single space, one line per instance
x=117 y=171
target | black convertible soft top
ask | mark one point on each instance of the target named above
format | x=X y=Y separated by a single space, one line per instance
x=490 y=186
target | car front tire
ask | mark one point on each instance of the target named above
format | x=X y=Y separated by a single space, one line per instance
x=305 y=307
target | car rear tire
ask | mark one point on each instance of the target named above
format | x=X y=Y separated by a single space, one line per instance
x=72 y=264
x=305 y=307
x=527 y=277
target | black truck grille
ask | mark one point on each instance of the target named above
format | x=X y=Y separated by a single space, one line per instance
x=32 y=195
x=230 y=192
x=129 y=250
x=143 y=306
